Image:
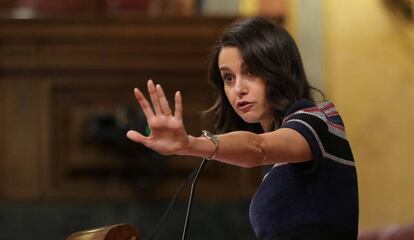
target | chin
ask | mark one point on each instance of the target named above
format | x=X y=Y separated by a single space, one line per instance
x=248 y=119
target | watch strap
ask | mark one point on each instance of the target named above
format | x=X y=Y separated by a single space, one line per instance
x=214 y=139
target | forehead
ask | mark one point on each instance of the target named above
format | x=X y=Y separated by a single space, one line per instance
x=230 y=57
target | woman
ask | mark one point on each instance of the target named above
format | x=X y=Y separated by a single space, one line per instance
x=266 y=116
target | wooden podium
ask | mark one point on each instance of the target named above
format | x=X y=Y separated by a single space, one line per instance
x=113 y=232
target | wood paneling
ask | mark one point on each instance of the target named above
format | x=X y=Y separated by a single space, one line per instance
x=57 y=76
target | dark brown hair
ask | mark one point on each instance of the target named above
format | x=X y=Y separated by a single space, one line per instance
x=270 y=53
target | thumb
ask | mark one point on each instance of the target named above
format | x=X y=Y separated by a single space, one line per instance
x=136 y=137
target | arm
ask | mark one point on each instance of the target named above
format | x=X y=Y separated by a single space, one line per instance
x=245 y=149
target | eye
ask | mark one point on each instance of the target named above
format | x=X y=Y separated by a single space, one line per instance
x=227 y=77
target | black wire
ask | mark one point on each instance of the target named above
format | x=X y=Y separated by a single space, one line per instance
x=177 y=192
x=190 y=200
x=191 y=177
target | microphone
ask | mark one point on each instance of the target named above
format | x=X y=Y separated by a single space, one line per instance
x=193 y=176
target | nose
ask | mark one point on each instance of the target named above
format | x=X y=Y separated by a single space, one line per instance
x=241 y=87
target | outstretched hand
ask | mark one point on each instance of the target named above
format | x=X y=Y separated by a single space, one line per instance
x=168 y=135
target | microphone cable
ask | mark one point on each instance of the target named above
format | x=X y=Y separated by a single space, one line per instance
x=190 y=199
x=191 y=177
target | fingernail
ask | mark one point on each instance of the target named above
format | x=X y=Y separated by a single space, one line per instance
x=129 y=133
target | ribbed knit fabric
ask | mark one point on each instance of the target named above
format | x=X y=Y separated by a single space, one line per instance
x=321 y=191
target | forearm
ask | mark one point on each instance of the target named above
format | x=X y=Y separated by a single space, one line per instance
x=239 y=148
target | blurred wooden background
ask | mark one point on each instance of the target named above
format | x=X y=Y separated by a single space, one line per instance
x=59 y=75
x=359 y=52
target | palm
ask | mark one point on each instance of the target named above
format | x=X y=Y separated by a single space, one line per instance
x=168 y=135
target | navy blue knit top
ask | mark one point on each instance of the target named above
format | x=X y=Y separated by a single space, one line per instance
x=321 y=191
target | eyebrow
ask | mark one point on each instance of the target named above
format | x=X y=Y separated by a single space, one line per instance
x=225 y=68
x=244 y=66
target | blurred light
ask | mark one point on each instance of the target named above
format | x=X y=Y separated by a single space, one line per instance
x=249 y=7
x=23 y=13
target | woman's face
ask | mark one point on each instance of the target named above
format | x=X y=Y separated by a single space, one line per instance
x=245 y=91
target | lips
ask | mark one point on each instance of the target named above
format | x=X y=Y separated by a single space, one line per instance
x=244 y=106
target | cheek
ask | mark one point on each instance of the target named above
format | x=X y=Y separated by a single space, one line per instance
x=230 y=97
x=228 y=93
x=261 y=89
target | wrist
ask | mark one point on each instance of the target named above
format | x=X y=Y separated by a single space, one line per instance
x=214 y=140
x=199 y=147
x=186 y=148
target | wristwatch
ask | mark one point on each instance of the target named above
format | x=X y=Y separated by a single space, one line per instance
x=214 y=139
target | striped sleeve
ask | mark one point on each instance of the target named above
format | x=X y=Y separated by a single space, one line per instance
x=323 y=129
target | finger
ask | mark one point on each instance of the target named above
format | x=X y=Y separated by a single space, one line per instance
x=154 y=97
x=178 y=106
x=136 y=137
x=165 y=107
x=143 y=103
